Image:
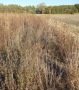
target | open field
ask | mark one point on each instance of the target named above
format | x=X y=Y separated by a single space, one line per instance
x=38 y=52
x=67 y=18
x=69 y=22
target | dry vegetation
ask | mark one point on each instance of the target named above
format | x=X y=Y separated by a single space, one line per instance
x=67 y=18
x=38 y=53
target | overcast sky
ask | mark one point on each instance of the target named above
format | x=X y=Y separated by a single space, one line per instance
x=35 y=2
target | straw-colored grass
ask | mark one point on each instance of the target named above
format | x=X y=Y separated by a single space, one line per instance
x=38 y=53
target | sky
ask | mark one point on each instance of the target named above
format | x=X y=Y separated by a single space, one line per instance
x=36 y=2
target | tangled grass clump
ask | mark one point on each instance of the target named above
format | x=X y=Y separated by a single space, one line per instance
x=35 y=55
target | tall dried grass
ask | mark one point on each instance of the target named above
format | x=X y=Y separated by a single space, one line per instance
x=37 y=55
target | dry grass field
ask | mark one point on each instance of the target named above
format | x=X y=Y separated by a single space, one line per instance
x=67 y=18
x=39 y=52
x=65 y=21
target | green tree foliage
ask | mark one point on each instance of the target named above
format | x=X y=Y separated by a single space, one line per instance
x=29 y=9
x=63 y=9
x=77 y=6
x=13 y=8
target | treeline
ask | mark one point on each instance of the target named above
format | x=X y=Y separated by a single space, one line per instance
x=62 y=9
x=12 y=8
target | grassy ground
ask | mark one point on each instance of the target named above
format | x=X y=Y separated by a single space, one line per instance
x=38 y=52
x=67 y=18
x=65 y=21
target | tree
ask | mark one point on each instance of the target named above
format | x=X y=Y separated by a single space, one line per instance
x=41 y=6
x=77 y=6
